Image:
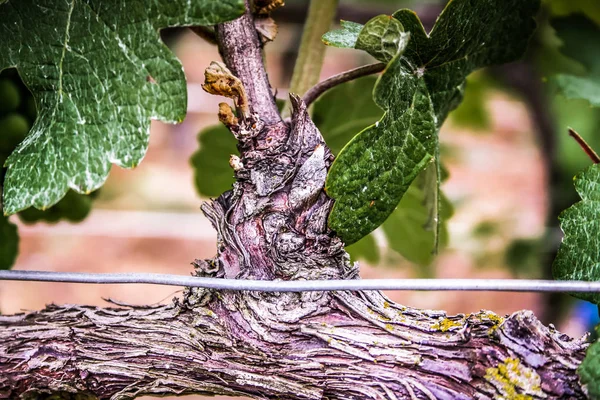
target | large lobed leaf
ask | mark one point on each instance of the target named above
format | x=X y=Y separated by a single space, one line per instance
x=17 y=114
x=578 y=257
x=581 y=42
x=99 y=73
x=472 y=112
x=417 y=91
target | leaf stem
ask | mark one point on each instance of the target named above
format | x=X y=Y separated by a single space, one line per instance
x=313 y=93
x=312 y=51
x=586 y=147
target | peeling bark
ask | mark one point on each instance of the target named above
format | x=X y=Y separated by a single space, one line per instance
x=349 y=346
x=314 y=345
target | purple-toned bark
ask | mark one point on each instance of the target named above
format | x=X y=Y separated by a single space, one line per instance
x=338 y=345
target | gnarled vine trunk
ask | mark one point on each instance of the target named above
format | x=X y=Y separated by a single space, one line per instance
x=313 y=345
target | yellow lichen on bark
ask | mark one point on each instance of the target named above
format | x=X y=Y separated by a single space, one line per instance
x=514 y=381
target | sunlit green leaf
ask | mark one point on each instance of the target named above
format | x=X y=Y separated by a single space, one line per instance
x=99 y=73
x=417 y=90
x=578 y=257
x=383 y=37
x=345 y=37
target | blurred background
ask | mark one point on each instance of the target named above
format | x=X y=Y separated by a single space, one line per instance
x=506 y=151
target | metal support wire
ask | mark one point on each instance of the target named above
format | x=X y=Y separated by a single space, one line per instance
x=492 y=285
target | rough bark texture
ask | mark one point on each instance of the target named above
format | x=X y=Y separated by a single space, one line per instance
x=339 y=345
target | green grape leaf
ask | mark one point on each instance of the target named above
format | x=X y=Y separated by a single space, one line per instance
x=581 y=42
x=408 y=229
x=14 y=126
x=345 y=37
x=339 y=114
x=578 y=257
x=212 y=173
x=383 y=37
x=99 y=73
x=589 y=370
x=345 y=110
x=417 y=90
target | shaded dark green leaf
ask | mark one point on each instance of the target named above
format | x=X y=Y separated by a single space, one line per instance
x=408 y=229
x=73 y=207
x=524 y=256
x=345 y=110
x=581 y=42
x=417 y=90
x=365 y=249
x=212 y=173
x=99 y=73
x=472 y=112
x=578 y=257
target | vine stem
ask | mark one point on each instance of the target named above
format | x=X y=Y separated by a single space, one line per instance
x=241 y=51
x=346 y=76
x=493 y=285
x=312 y=51
x=586 y=147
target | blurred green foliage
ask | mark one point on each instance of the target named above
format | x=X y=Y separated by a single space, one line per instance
x=580 y=38
x=472 y=113
x=212 y=173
